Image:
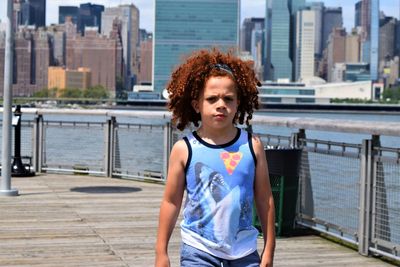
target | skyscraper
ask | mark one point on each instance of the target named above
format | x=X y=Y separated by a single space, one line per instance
x=280 y=38
x=248 y=26
x=397 y=46
x=336 y=50
x=357 y=14
x=70 y=11
x=318 y=8
x=184 y=26
x=374 y=40
x=387 y=32
x=128 y=15
x=305 y=44
x=279 y=64
x=30 y=12
x=89 y=16
x=332 y=19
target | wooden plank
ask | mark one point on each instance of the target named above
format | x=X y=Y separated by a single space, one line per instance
x=60 y=220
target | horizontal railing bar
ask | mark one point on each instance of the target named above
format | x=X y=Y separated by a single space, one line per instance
x=347 y=126
x=387 y=149
x=127 y=176
x=327 y=225
x=127 y=125
x=332 y=152
x=331 y=125
x=383 y=253
x=328 y=233
x=331 y=143
x=387 y=159
x=73 y=170
x=80 y=123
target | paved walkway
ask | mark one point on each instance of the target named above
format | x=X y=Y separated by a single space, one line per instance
x=64 y=220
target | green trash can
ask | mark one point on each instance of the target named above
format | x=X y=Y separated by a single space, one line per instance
x=283 y=165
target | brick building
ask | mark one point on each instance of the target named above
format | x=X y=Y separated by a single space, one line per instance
x=102 y=55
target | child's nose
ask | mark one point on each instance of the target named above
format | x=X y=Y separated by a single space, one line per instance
x=221 y=102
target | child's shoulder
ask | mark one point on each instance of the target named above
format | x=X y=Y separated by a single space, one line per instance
x=180 y=145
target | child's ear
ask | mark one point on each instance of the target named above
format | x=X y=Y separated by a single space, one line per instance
x=195 y=105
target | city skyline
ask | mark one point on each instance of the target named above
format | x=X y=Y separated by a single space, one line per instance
x=253 y=8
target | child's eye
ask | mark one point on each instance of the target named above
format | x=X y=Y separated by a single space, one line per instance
x=211 y=99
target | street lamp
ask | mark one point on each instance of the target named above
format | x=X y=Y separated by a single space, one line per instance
x=5 y=189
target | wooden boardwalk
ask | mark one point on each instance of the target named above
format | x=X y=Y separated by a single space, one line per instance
x=65 y=220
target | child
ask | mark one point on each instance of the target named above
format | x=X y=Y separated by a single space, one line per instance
x=222 y=167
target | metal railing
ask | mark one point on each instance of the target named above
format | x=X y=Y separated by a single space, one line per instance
x=348 y=190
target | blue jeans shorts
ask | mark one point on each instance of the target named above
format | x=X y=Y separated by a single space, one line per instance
x=191 y=256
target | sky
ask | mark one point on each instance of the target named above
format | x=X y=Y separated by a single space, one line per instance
x=249 y=8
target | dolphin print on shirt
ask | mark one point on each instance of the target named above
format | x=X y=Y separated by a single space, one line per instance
x=214 y=212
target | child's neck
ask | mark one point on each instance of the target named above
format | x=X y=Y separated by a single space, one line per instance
x=217 y=136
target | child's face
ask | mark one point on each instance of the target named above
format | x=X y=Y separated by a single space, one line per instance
x=218 y=102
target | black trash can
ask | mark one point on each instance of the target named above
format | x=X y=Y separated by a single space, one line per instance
x=283 y=165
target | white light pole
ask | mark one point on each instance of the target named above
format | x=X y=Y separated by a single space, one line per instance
x=5 y=189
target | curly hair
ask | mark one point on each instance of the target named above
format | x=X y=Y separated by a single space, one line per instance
x=189 y=79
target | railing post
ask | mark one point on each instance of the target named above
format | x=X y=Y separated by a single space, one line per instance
x=306 y=196
x=38 y=143
x=109 y=147
x=380 y=213
x=168 y=143
x=364 y=221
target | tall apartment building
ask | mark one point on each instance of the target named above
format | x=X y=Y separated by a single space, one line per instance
x=128 y=15
x=387 y=32
x=184 y=26
x=353 y=48
x=89 y=15
x=68 y=11
x=57 y=39
x=336 y=50
x=101 y=54
x=146 y=61
x=41 y=58
x=332 y=19
x=363 y=17
x=305 y=44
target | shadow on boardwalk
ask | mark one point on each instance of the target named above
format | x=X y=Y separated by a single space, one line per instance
x=63 y=220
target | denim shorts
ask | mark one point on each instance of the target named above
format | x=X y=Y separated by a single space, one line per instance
x=191 y=256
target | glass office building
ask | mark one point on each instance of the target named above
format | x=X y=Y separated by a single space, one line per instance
x=33 y=13
x=374 y=40
x=68 y=11
x=280 y=39
x=184 y=26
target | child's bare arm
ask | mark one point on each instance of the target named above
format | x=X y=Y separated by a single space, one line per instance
x=172 y=200
x=264 y=203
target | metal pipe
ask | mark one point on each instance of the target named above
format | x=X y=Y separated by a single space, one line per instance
x=5 y=189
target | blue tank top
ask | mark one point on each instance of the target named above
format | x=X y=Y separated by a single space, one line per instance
x=217 y=216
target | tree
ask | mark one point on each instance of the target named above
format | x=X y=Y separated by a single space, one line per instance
x=392 y=93
x=71 y=93
x=96 y=92
x=46 y=93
